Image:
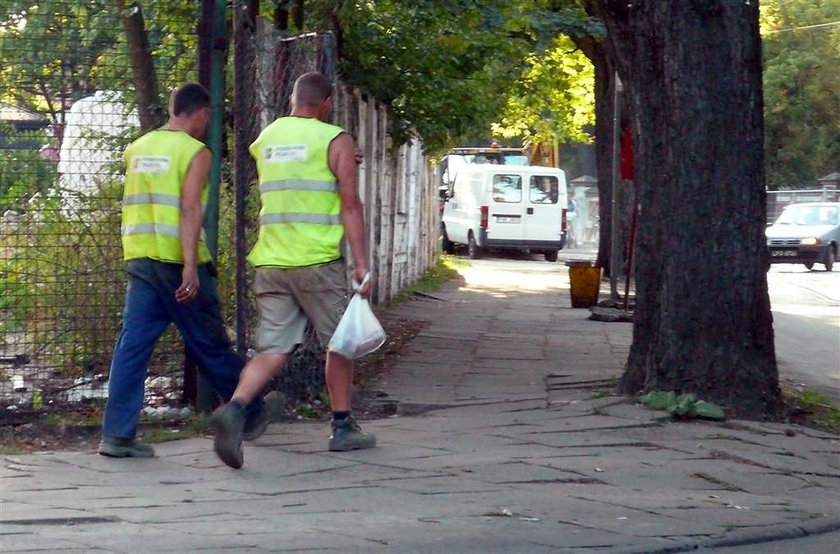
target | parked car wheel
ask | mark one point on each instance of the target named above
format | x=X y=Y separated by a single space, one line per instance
x=551 y=255
x=830 y=256
x=473 y=250
x=447 y=245
x=809 y=265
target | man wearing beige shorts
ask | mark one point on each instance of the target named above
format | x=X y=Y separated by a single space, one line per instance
x=310 y=203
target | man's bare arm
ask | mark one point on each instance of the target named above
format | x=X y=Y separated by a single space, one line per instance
x=342 y=158
x=190 y=224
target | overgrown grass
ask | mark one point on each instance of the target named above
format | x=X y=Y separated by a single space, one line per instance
x=822 y=411
x=177 y=429
x=93 y=417
x=446 y=268
x=12 y=450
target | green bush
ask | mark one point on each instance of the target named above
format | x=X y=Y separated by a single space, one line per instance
x=23 y=171
x=61 y=280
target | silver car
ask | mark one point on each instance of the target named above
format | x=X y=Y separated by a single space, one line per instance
x=806 y=233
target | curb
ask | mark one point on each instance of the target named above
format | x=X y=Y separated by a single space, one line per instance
x=743 y=537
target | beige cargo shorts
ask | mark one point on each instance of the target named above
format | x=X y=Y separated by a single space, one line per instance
x=289 y=297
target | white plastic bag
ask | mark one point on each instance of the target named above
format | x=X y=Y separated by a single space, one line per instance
x=359 y=332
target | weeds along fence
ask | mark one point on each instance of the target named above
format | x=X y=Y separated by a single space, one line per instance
x=68 y=107
x=75 y=91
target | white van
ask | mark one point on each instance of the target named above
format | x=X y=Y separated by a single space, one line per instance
x=506 y=207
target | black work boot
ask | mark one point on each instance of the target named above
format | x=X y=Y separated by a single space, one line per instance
x=125 y=448
x=347 y=435
x=228 y=422
x=273 y=409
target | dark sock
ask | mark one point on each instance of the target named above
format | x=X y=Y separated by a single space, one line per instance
x=238 y=404
x=338 y=416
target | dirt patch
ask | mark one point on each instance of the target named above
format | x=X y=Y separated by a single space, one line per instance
x=370 y=403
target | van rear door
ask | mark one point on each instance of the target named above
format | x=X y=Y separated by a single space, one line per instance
x=545 y=201
x=505 y=221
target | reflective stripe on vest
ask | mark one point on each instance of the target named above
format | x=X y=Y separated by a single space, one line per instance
x=156 y=166
x=300 y=222
x=154 y=229
x=297 y=184
x=149 y=198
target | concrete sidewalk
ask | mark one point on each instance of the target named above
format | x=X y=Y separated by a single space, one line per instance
x=506 y=439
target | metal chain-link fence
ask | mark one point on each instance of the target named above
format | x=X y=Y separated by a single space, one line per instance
x=68 y=107
x=266 y=68
x=81 y=80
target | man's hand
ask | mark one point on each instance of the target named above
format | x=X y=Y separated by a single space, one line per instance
x=189 y=285
x=359 y=274
x=360 y=156
x=343 y=157
x=190 y=224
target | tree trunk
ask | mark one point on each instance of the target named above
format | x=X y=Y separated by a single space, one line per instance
x=149 y=108
x=298 y=14
x=281 y=16
x=703 y=320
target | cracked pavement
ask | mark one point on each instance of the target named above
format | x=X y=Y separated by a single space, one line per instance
x=507 y=438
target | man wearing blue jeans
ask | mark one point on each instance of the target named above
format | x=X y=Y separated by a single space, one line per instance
x=170 y=272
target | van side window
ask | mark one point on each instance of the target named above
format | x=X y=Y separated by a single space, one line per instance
x=507 y=188
x=545 y=189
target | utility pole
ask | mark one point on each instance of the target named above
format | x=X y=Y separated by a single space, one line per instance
x=616 y=179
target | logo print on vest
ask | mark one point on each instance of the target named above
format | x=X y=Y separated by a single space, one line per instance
x=150 y=164
x=285 y=154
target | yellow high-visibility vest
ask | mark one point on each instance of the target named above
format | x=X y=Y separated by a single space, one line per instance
x=300 y=222
x=156 y=165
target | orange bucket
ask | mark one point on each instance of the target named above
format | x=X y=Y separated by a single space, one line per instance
x=586 y=283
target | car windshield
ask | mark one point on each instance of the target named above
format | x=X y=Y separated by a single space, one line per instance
x=809 y=215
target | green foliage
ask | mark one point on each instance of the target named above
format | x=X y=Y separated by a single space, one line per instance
x=684 y=405
x=61 y=279
x=49 y=51
x=61 y=270
x=23 y=171
x=554 y=99
x=445 y=68
x=54 y=52
x=801 y=72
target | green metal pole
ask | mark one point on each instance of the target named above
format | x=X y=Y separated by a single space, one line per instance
x=218 y=45
x=217 y=117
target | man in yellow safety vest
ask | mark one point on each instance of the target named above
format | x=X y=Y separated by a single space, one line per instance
x=170 y=272
x=310 y=202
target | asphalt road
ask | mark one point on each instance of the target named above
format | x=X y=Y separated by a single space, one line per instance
x=806 y=311
x=806 y=317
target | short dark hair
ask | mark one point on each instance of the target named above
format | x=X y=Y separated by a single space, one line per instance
x=188 y=99
x=311 y=89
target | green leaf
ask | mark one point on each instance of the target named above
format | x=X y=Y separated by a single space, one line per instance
x=708 y=410
x=659 y=400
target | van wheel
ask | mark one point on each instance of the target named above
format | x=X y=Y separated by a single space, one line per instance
x=829 y=258
x=473 y=250
x=809 y=265
x=551 y=255
x=447 y=245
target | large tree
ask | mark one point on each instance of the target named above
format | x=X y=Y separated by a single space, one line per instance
x=703 y=320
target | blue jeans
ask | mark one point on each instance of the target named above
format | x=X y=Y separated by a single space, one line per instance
x=150 y=307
